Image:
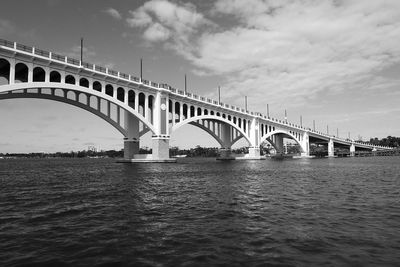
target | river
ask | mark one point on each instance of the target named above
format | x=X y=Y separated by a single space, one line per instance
x=200 y=212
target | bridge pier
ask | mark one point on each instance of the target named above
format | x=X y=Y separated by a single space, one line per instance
x=160 y=150
x=131 y=148
x=160 y=144
x=331 y=148
x=225 y=152
x=352 y=150
x=280 y=149
x=305 y=145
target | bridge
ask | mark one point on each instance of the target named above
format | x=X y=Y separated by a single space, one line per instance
x=135 y=106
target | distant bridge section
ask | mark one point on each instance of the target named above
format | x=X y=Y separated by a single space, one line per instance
x=134 y=106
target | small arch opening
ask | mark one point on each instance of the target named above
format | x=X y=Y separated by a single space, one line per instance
x=141 y=103
x=4 y=71
x=185 y=111
x=109 y=90
x=84 y=82
x=192 y=111
x=131 y=99
x=177 y=111
x=70 y=79
x=55 y=77
x=97 y=86
x=21 y=73
x=121 y=94
x=39 y=75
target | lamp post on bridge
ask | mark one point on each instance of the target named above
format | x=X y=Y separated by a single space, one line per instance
x=327 y=129
x=245 y=103
x=337 y=132
x=268 y=111
x=141 y=69
x=81 y=50
x=285 y=116
x=185 y=85
x=313 y=125
x=301 y=121
x=219 y=95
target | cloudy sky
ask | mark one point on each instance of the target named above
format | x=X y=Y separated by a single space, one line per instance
x=335 y=62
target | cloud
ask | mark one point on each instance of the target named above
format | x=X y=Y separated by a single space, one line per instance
x=287 y=52
x=114 y=13
x=156 y=32
x=162 y=20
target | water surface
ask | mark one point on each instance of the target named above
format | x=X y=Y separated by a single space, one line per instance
x=200 y=212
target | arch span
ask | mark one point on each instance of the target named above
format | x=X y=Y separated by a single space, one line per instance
x=267 y=137
x=220 y=142
x=66 y=101
x=211 y=117
x=75 y=88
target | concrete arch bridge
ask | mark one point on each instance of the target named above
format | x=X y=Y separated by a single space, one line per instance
x=134 y=106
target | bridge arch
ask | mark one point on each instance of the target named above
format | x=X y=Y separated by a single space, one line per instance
x=76 y=91
x=193 y=121
x=267 y=137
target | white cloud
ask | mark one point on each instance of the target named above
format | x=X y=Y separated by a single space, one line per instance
x=281 y=51
x=114 y=13
x=163 y=20
x=156 y=32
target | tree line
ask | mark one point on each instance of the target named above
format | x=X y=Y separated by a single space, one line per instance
x=388 y=141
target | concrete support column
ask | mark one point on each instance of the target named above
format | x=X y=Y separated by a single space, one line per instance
x=126 y=99
x=160 y=148
x=225 y=152
x=180 y=112
x=11 y=80
x=254 y=134
x=305 y=145
x=30 y=72
x=146 y=107
x=137 y=102
x=280 y=149
x=160 y=114
x=173 y=113
x=331 y=148
x=131 y=141
x=47 y=76
x=103 y=87
x=352 y=150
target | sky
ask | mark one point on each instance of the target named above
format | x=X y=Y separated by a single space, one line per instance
x=332 y=61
